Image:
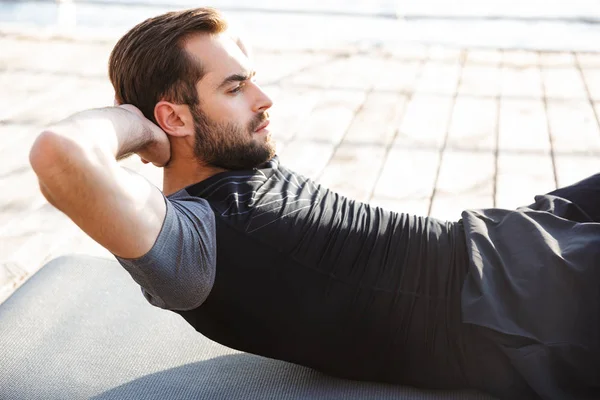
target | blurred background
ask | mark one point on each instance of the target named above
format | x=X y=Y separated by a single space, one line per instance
x=427 y=107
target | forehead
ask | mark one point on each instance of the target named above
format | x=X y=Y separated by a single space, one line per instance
x=220 y=57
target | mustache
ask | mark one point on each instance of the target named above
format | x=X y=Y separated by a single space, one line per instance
x=258 y=119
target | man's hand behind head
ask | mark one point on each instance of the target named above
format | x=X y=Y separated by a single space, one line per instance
x=158 y=150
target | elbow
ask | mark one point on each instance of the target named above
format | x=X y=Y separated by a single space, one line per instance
x=52 y=152
x=44 y=152
x=43 y=157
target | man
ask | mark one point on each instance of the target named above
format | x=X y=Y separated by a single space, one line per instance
x=263 y=260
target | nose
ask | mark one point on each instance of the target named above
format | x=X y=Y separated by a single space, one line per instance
x=263 y=102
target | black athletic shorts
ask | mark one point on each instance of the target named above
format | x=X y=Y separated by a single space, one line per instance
x=543 y=339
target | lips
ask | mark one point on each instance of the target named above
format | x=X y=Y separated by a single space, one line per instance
x=262 y=126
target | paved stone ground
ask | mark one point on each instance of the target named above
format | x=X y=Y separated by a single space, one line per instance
x=415 y=129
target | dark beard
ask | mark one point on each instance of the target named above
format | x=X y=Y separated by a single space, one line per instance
x=230 y=146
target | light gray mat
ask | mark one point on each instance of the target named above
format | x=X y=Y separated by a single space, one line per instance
x=80 y=328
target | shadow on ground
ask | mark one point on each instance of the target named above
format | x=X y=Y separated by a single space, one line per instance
x=244 y=376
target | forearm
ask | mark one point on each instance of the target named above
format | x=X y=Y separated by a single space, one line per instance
x=75 y=161
x=112 y=131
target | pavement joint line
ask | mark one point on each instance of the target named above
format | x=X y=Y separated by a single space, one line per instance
x=19 y=276
x=336 y=147
x=405 y=106
x=325 y=88
x=357 y=110
x=425 y=92
x=458 y=149
x=47 y=95
x=442 y=149
x=303 y=69
x=549 y=128
x=587 y=88
x=499 y=98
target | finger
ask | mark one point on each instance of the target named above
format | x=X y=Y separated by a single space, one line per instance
x=144 y=160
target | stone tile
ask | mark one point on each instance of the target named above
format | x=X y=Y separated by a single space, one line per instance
x=291 y=111
x=466 y=181
x=589 y=60
x=573 y=168
x=13 y=52
x=521 y=176
x=39 y=248
x=473 y=125
x=407 y=180
x=73 y=96
x=376 y=122
x=92 y=59
x=591 y=77
x=27 y=82
x=272 y=67
x=521 y=82
x=484 y=57
x=480 y=80
x=520 y=59
x=523 y=127
x=405 y=51
x=307 y=157
x=573 y=128
x=344 y=73
x=418 y=206
x=566 y=60
x=11 y=277
x=15 y=136
x=445 y=54
x=321 y=74
x=31 y=106
x=563 y=83
x=439 y=79
x=45 y=219
x=80 y=243
x=31 y=242
x=353 y=170
x=58 y=56
x=396 y=76
x=331 y=117
x=357 y=72
x=20 y=196
x=425 y=122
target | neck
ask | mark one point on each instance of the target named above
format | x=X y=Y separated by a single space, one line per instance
x=180 y=175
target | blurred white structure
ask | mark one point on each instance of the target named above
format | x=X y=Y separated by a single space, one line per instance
x=561 y=25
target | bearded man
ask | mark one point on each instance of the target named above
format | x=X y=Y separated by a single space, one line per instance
x=264 y=260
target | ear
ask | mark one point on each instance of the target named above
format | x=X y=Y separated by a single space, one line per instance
x=174 y=119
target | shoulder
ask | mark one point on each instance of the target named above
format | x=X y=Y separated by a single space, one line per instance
x=179 y=270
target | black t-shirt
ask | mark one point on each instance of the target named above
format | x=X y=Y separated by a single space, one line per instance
x=304 y=274
x=269 y=262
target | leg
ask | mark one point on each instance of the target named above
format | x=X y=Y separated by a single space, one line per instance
x=585 y=194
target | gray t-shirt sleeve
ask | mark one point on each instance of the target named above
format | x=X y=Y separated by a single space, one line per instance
x=179 y=270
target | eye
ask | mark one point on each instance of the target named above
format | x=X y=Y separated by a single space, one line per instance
x=238 y=88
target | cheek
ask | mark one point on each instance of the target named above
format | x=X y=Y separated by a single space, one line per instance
x=232 y=109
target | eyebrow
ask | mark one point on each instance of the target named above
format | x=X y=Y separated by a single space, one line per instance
x=236 y=78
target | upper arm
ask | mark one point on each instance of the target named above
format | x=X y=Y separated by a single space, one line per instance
x=179 y=270
x=118 y=208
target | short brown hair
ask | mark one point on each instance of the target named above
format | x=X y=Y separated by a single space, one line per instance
x=150 y=63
